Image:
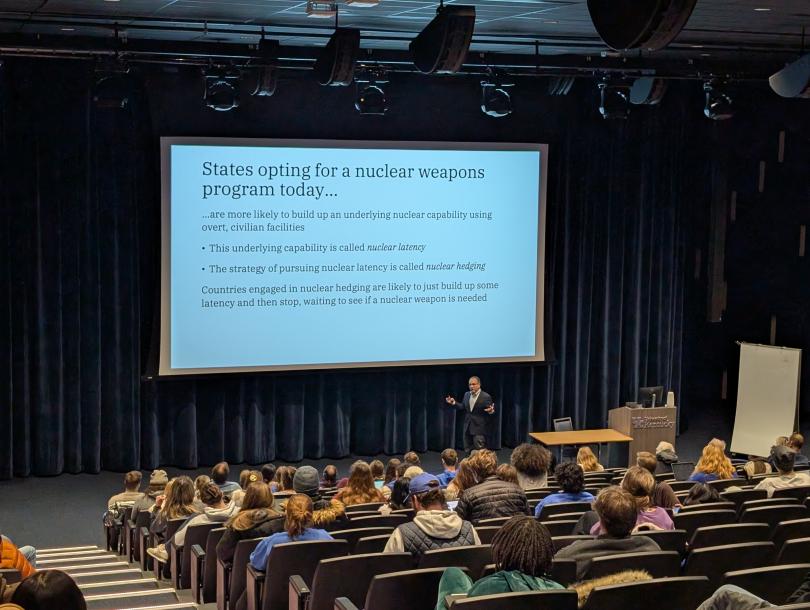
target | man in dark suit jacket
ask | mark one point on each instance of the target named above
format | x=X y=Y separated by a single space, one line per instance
x=478 y=407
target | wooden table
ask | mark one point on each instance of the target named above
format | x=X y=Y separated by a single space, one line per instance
x=581 y=437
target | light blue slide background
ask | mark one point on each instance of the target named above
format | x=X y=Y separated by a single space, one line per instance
x=504 y=326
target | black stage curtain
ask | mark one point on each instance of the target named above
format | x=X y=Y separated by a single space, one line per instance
x=80 y=240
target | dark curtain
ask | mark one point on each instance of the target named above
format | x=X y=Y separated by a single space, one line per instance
x=80 y=239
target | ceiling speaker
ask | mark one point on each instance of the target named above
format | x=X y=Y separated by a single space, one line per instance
x=442 y=46
x=335 y=64
x=637 y=24
x=793 y=80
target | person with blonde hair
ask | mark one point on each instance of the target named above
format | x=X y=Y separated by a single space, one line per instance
x=256 y=519
x=464 y=479
x=640 y=483
x=713 y=464
x=177 y=503
x=587 y=460
x=360 y=489
x=246 y=477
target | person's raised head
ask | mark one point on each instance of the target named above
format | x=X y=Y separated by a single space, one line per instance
x=484 y=463
x=220 y=472
x=49 y=590
x=474 y=383
x=781 y=440
x=412 y=458
x=531 y=459
x=640 y=483
x=449 y=458
x=523 y=544
x=360 y=478
x=465 y=476
x=783 y=458
x=158 y=481
x=377 y=469
x=200 y=482
x=391 y=470
x=714 y=461
x=507 y=473
x=587 y=460
x=268 y=472
x=257 y=506
x=425 y=493
x=399 y=493
x=246 y=477
x=330 y=475
x=179 y=497
x=306 y=481
x=402 y=467
x=132 y=480
x=257 y=495
x=617 y=511
x=796 y=441
x=211 y=495
x=570 y=477
x=284 y=477
x=298 y=515
x=647 y=460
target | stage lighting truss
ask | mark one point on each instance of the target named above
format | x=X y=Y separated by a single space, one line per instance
x=222 y=88
x=321 y=10
x=614 y=99
x=495 y=98
x=371 y=98
x=719 y=104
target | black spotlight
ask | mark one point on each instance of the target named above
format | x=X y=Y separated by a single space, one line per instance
x=614 y=100
x=442 y=46
x=266 y=70
x=793 y=80
x=635 y=24
x=719 y=105
x=647 y=91
x=495 y=99
x=335 y=63
x=221 y=89
x=371 y=99
x=112 y=91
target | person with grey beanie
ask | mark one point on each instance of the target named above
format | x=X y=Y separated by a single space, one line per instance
x=327 y=514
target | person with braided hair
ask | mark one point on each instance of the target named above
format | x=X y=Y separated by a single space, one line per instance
x=522 y=552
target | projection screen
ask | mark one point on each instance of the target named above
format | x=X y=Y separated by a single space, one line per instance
x=302 y=254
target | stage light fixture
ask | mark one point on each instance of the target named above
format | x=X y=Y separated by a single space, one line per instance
x=221 y=89
x=371 y=100
x=793 y=80
x=614 y=100
x=321 y=10
x=560 y=85
x=113 y=86
x=266 y=72
x=495 y=99
x=647 y=91
x=442 y=46
x=719 y=104
x=335 y=64
x=635 y=24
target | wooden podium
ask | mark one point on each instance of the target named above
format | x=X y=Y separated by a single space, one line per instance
x=647 y=427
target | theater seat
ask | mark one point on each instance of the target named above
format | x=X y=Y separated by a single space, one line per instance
x=474 y=558
x=714 y=561
x=773 y=583
x=790 y=530
x=531 y=600
x=659 y=564
x=794 y=551
x=353 y=535
x=679 y=593
x=667 y=540
x=735 y=533
x=411 y=590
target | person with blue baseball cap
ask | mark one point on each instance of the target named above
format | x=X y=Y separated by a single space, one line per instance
x=434 y=526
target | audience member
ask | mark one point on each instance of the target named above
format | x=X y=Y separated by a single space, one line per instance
x=531 y=460
x=131 y=493
x=157 y=487
x=390 y=476
x=176 y=504
x=490 y=497
x=464 y=479
x=784 y=457
x=522 y=552
x=781 y=441
x=796 y=442
x=731 y=597
x=713 y=464
x=508 y=473
x=49 y=590
x=412 y=471
x=662 y=494
x=618 y=512
x=327 y=513
x=449 y=463
x=412 y=459
x=701 y=493
x=378 y=472
x=246 y=477
x=434 y=526
x=256 y=519
x=360 y=489
x=666 y=456
x=756 y=465
x=284 y=478
x=584 y=588
x=12 y=558
x=268 y=474
x=219 y=475
x=572 y=482
x=329 y=476
x=587 y=460
x=199 y=484
x=639 y=482
x=398 y=499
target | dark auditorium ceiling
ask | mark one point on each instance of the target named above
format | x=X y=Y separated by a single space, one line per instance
x=717 y=29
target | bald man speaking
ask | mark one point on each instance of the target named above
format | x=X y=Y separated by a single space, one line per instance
x=478 y=407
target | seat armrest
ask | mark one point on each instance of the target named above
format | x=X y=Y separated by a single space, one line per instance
x=344 y=603
x=197 y=562
x=223 y=581
x=299 y=593
x=253 y=588
x=143 y=536
x=449 y=600
x=175 y=559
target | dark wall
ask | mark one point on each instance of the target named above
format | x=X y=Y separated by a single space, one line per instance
x=80 y=235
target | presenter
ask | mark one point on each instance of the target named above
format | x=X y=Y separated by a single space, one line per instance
x=478 y=407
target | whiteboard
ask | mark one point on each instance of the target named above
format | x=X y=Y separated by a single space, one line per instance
x=767 y=397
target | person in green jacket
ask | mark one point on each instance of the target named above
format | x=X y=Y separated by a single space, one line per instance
x=522 y=552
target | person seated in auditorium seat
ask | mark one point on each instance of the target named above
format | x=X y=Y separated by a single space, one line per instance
x=327 y=513
x=662 y=494
x=666 y=456
x=490 y=497
x=464 y=479
x=246 y=477
x=256 y=519
x=587 y=460
x=12 y=558
x=329 y=477
x=360 y=489
x=378 y=472
x=531 y=460
x=522 y=552
x=284 y=487
x=756 y=465
x=217 y=510
x=701 y=493
x=412 y=459
x=131 y=493
x=391 y=475
x=796 y=442
x=268 y=476
x=639 y=482
x=177 y=503
x=199 y=484
x=399 y=497
x=49 y=590
x=449 y=463
x=781 y=441
x=434 y=526
x=783 y=456
x=219 y=475
x=713 y=464
x=731 y=597
x=618 y=512
x=572 y=482
x=508 y=473
x=157 y=487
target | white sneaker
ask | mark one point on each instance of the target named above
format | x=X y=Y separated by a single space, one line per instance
x=159 y=553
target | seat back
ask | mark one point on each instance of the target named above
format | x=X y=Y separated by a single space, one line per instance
x=293 y=558
x=772 y=515
x=714 y=561
x=560 y=527
x=563 y=571
x=702 y=518
x=709 y=506
x=564 y=507
x=409 y=590
x=788 y=530
x=723 y=484
x=736 y=533
x=492 y=522
x=773 y=583
x=667 y=540
x=368 y=506
x=371 y=544
x=529 y=600
x=744 y=495
x=353 y=535
x=563 y=424
x=659 y=564
x=195 y=534
x=486 y=533
x=794 y=551
x=561 y=542
x=679 y=593
x=11 y=575
x=767 y=502
x=800 y=493
x=474 y=558
x=209 y=586
x=241 y=557
x=330 y=579
x=392 y=520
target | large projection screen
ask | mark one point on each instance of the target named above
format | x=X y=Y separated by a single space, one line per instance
x=305 y=254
